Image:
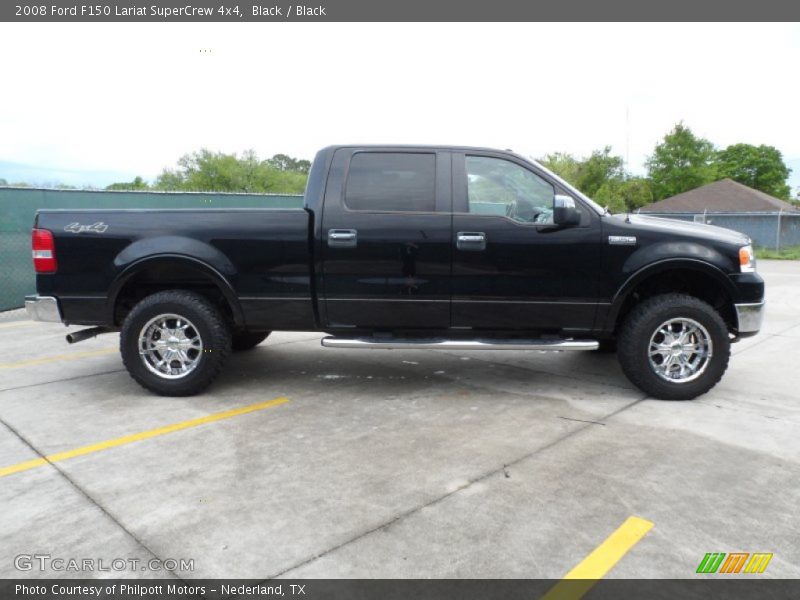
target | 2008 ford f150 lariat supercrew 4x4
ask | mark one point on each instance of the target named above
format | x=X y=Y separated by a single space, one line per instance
x=404 y=247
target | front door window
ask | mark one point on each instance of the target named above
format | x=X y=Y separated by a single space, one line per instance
x=500 y=187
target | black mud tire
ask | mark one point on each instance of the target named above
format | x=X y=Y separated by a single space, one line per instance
x=247 y=340
x=211 y=327
x=634 y=339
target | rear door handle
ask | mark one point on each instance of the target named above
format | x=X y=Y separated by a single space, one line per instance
x=471 y=240
x=342 y=238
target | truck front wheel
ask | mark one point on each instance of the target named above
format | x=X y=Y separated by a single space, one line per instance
x=674 y=347
x=175 y=343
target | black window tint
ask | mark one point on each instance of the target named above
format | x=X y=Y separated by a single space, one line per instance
x=391 y=181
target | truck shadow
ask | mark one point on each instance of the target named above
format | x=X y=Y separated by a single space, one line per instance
x=305 y=367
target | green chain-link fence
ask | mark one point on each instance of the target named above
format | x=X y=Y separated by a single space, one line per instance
x=19 y=205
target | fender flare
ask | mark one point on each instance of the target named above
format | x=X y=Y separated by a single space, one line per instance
x=145 y=262
x=669 y=264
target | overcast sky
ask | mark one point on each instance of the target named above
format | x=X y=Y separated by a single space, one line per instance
x=132 y=98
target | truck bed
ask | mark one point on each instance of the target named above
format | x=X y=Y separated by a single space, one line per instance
x=263 y=257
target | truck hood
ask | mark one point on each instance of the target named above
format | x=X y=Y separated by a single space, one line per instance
x=685 y=228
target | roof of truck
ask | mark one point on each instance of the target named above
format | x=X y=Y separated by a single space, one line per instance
x=422 y=146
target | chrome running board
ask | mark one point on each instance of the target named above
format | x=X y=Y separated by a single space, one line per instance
x=444 y=344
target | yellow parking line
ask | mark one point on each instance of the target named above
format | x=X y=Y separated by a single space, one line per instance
x=136 y=437
x=59 y=357
x=586 y=573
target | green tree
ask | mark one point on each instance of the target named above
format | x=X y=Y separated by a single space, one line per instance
x=169 y=180
x=3 y=181
x=624 y=195
x=760 y=167
x=282 y=162
x=563 y=164
x=602 y=176
x=610 y=196
x=137 y=184
x=207 y=171
x=598 y=169
x=637 y=192
x=212 y=171
x=681 y=162
x=587 y=174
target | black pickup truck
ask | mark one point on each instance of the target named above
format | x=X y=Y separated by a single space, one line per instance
x=404 y=247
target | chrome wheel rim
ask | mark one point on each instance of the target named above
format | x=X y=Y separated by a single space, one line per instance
x=170 y=346
x=680 y=350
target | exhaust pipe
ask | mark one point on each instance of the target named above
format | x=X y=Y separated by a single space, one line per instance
x=85 y=334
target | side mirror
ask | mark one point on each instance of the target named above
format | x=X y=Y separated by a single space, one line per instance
x=564 y=211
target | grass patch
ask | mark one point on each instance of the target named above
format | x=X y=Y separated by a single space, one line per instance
x=789 y=253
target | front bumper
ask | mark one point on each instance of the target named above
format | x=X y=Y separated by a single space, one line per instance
x=750 y=317
x=43 y=308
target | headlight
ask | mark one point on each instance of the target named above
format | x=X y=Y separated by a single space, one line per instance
x=747 y=260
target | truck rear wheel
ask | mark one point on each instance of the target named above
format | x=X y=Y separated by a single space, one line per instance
x=674 y=347
x=175 y=343
x=246 y=340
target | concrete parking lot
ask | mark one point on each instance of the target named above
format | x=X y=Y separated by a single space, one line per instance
x=398 y=463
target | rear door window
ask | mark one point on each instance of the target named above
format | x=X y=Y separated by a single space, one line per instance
x=391 y=181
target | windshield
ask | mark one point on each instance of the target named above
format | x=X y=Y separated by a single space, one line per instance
x=600 y=210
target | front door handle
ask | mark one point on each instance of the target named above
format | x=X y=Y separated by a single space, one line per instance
x=471 y=240
x=342 y=238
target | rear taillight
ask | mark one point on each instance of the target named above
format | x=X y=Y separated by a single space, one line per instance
x=44 y=251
